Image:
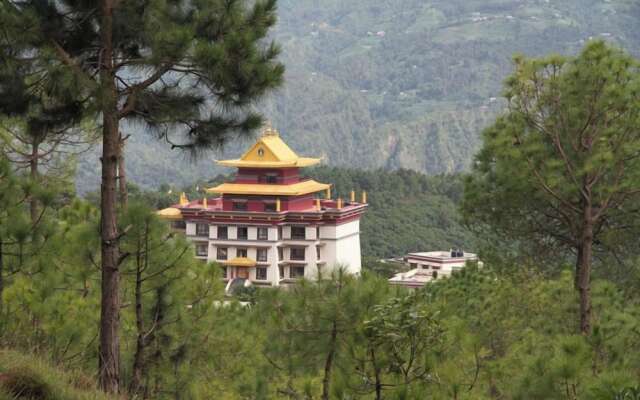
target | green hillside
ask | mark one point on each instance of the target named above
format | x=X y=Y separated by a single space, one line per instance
x=396 y=84
x=29 y=377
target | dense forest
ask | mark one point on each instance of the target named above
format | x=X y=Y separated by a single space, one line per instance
x=394 y=84
x=99 y=298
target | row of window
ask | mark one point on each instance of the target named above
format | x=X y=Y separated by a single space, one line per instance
x=268 y=206
x=222 y=253
x=423 y=266
x=261 y=273
x=297 y=232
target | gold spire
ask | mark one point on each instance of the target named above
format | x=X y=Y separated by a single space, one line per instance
x=183 y=199
x=278 y=204
x=269 y=130
x=204 y=202
x=328 y=193
x=339 y=202
x=352 y=197
x=318 y=207
x=364 y=197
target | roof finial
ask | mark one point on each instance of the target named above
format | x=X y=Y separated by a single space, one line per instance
x=268 y=129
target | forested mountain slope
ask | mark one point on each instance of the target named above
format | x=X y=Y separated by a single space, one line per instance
x=397 y=84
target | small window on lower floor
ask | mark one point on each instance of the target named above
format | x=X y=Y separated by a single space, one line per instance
x=178 y=225
x=296 y=272
x=261 y=273
x=241 y=253
x=224 y=272
x=435 y=274
x=202 y=249
x=261 y=255
x=281 y=271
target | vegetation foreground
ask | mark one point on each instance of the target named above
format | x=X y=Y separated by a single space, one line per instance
x=103 y=288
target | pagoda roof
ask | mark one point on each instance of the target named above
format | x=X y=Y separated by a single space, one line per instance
x=240 y=262
x=295 y=189
x=170 y=213
x=270 y=151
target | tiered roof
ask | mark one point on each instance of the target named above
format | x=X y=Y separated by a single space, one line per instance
x=270 y=152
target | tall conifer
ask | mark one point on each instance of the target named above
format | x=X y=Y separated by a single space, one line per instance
x=190 y=70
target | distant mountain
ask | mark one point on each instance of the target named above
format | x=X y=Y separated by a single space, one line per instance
x=396 y=83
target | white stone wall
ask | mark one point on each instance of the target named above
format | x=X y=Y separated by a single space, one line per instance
x=341 y=246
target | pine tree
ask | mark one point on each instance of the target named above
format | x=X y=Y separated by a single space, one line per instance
x=189 y=70
x=561 y=169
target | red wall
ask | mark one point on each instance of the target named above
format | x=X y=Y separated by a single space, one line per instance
x=256 y=203
x=252 y=175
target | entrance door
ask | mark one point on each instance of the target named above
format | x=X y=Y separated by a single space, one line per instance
x=243 y=273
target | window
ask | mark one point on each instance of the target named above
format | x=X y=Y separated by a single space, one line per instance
x=317 y=232
x=178 y=225
x=261 y=255
x=281 y=271
x=435 y=275
x=297 y=253
x=263 y=233
x=223 y=232
x=240 y=206
x=241 y=253
x=279 y=233
x=298 y=232
x=202 y=249
x=202 y=229
x=221 y=253
x=243 y=232
x=271 y=178
x=224 y=272
x=413 y=265
x=318 y=252
x=261 y=273
x=296 y=272
x=270 y=206
x=280 y=254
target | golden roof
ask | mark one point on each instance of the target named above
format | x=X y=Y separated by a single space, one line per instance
x=240 y=262
x=169 y=213
x=295 y=189
x=270 y=151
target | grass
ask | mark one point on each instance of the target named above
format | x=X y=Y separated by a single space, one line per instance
x=27 y=377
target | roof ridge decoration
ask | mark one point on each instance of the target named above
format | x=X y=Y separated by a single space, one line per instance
x=270 y=151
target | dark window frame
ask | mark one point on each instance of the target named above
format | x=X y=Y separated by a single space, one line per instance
x=299 y=236
x=220 y=251
x=224 y=229
x=244 y=251
x=240 y=205
x=265 y=230
x=200 y=246
x=202 y=229
x=245 y=236
x=296 y=272
x=262 y=251
x=295 y=256
x=261 y=273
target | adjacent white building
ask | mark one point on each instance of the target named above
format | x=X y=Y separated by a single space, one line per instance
x=428 y=266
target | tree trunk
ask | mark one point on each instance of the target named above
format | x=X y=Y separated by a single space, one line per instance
x=1 y=274
x=138 y=358
x=584 y=271
x=109 y=358
x=33 y=171
x=122 y=176
x=328 y=364
x=376 y=371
